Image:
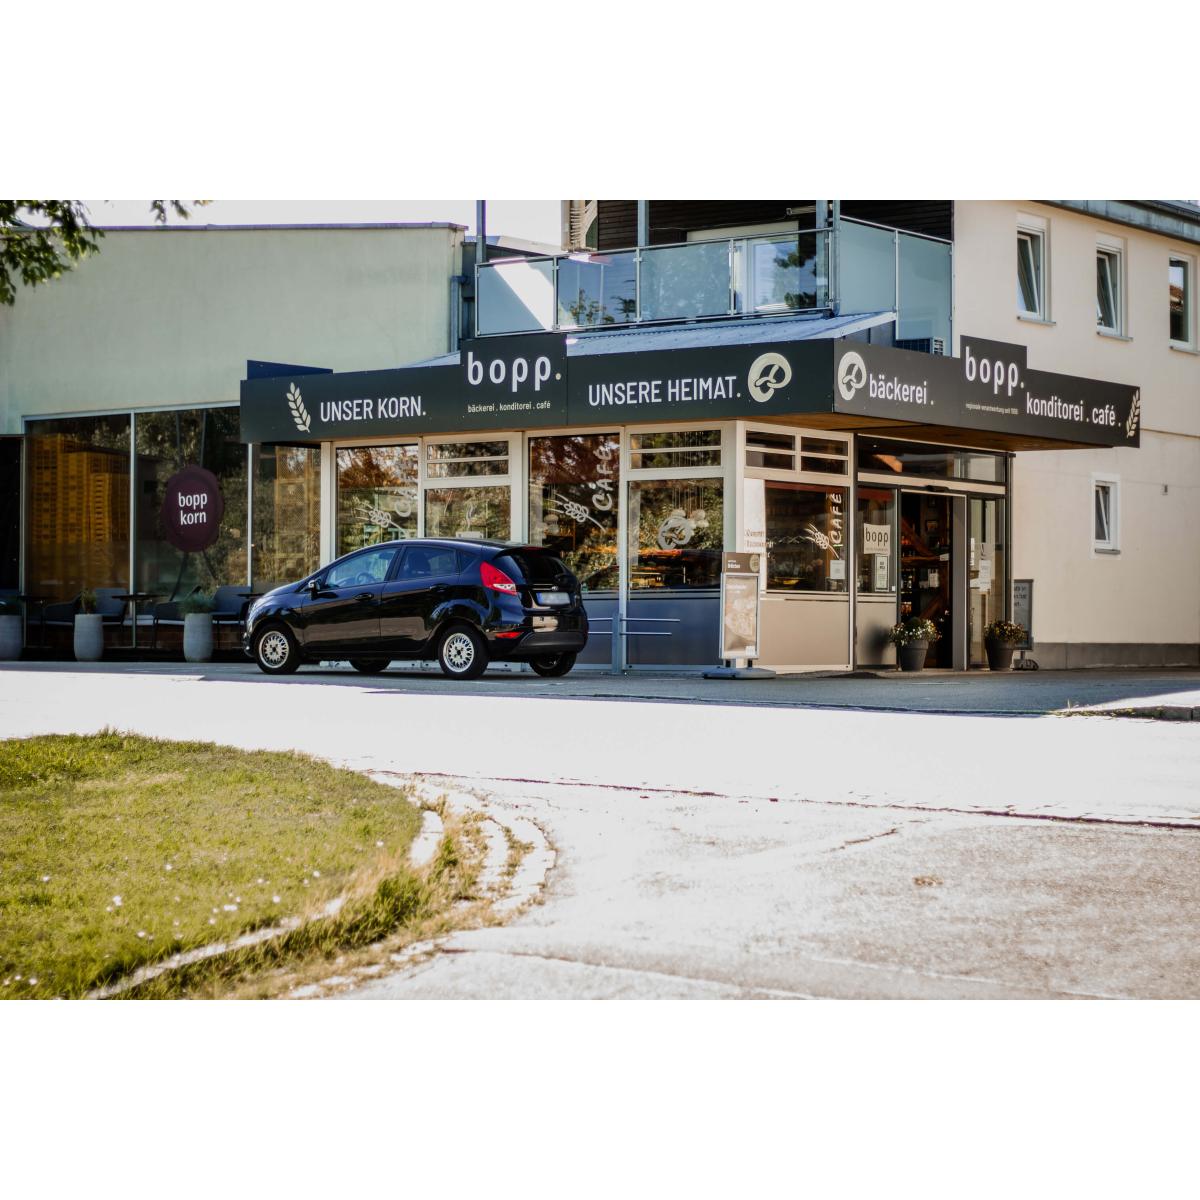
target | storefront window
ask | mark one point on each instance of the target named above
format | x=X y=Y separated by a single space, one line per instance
x=166 y=443
x=468 y=512
x=806 y=537
x=78 y=512
x=451 y=460
x=675 y=448
x=932 y=462
x=573 y=489
x=675 y=533
x=376 y=495
x=876 y=540
x=287 y=514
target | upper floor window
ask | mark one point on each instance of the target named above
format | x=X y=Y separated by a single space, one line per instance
x=1031 y=273
x=1179 y=276
x=1105 y=513
x=1109 y=311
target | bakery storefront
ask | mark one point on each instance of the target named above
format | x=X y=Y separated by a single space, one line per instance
x=877 y=481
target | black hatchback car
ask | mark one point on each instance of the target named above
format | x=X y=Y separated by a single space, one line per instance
x=465 y=603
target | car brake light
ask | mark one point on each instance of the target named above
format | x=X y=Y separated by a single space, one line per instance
x=515 y=634
x=496 y=579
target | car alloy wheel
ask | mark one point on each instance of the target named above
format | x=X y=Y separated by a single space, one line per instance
x=462 y=654
x=276 y=653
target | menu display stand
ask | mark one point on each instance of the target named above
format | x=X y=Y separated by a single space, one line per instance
x=740 y=611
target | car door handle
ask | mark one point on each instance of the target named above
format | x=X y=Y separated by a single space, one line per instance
x=365 y=597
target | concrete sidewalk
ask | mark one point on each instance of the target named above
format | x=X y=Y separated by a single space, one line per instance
x=1131 y=692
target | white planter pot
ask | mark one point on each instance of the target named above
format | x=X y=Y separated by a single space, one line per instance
x=197 y=637
x=11 y=636
x=89 y=637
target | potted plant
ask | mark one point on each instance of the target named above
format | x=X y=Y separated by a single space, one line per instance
x=1000 y=639
x=197 y=612
x=89 y=629
x=911 y=639
x=11 y=632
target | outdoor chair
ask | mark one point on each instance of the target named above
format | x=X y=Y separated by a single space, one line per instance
x=62 y=613
x=229 y=606
x=109 y=607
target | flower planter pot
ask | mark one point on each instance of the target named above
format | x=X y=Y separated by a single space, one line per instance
x=999 y=655
x=912 y=656
x=11 y=636
x=197 y=637
x=89 y=637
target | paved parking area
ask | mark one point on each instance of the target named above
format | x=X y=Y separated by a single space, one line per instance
x=1026 y=692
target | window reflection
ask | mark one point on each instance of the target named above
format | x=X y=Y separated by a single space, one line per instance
x=78 y=513
x=806 y=537
x=287 y=514
x=573 y=490
x=377 y=495
x=675 y=533
x=469 y=512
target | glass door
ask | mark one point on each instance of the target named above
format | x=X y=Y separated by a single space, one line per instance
x=987 y=572
x=376 y=495
x=926 y=568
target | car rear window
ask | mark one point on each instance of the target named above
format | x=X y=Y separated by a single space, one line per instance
x=535 y=567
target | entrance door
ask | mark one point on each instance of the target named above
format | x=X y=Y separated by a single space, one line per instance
x=987 y=571
x=926 y=568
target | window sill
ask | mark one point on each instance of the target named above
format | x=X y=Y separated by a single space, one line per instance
x=1035 y=320
x=1107 y=550
x=1113 y=335
x=1180 y=348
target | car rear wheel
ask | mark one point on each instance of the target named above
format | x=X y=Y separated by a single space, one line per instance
x=462 y=653
x=553 y=665
x=370 y=666
x=275 y=651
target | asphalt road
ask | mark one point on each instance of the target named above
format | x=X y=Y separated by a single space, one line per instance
x=753 y=849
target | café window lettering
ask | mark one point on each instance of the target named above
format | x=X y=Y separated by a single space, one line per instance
x=573 y=497
x=806 y=537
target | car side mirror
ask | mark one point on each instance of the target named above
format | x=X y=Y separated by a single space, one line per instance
x=314 y=588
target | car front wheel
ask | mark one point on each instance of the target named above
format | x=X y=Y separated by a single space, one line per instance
x=276 y=652
x=462 y=653
x=553 y=665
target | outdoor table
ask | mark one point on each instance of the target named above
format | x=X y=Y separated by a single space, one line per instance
x=133 y=599
x=40 y=602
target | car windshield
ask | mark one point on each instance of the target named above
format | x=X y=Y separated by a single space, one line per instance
x=535 y=567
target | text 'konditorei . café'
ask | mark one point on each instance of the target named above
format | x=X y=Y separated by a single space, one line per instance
x=875 y=481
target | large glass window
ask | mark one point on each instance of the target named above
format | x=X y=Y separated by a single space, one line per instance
x=806 y=537
x=1180 y=299
x=166 y=443
x=573 y=490
x=78 y=511
x=10 y=513
x=453 y=460
x=376 y=495
x=876 y=540
x=468 y=512
x=676 y=533
x=287 y=514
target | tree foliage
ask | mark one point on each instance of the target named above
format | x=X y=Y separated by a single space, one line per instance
x=40 y=239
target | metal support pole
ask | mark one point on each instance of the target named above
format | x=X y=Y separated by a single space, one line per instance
x=643 y=222
x=480 y=233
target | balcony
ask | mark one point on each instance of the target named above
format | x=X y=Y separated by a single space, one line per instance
x=852 y=267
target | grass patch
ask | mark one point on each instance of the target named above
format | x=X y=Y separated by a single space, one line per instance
x=119 y=851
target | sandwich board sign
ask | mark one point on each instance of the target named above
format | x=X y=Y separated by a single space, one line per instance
x=740 y=575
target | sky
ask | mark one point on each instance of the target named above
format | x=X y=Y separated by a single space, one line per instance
x=536 y=220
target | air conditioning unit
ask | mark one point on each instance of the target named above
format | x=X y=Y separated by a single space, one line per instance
x=923 y=345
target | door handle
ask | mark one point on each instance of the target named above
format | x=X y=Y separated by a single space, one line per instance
x=365 y=597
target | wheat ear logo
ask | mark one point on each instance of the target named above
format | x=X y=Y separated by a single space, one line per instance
x=299 y=412
x=1135 y=415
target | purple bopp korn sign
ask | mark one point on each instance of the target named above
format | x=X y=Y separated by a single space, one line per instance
x=192 y=509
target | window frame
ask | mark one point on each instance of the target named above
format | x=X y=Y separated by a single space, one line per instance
x=1189 y=301
x=1037 y=234
x=1112 y=252
x=1112 y=484
x=512 y=479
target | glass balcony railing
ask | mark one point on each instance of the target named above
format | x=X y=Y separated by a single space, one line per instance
x=850 y=268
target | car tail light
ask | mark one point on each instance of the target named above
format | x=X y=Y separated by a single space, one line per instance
x=516 y=633
x=496 y=579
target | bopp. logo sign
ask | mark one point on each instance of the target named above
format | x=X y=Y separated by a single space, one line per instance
x=499 y=371
x=994 y=372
